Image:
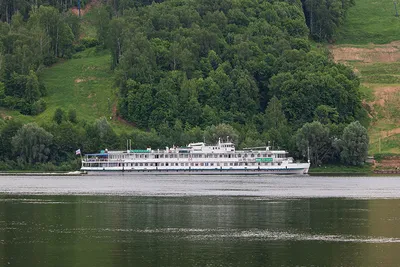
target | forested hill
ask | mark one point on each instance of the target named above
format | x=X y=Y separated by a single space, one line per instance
x=188 y=70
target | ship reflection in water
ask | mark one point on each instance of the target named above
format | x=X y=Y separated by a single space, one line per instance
x=199 y=221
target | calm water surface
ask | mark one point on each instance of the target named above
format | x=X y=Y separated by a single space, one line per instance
x=125 y=220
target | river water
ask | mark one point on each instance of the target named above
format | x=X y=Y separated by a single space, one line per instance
x=126 y=220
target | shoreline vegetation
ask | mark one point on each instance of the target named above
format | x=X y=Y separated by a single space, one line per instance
x=41 y=173
x=335 y=169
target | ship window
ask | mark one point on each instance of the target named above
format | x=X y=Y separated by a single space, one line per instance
x=225 y=156
x=236 y=164
x=215 y=156
x=182 y=164
x=186 y=164
x=252 y=155
x=141 y=164
x=161 y=156
x=166 y=164
x=231 y=164
x=264 y=155
x=225 y=164
x=239 y=155
x=197 y=164
x=212 y=164
x=258 y=155
x=145 y=164
x=245 y=155
x=176 y=164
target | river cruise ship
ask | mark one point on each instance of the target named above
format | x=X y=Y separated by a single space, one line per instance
x=196 y=158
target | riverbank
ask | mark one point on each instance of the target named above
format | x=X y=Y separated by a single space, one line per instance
x=378 y=168
x=16 y=173
x=327 y=170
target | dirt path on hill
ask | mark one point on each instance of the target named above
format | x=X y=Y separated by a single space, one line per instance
x=372 y=54
x=87 y=8
x=387 y=53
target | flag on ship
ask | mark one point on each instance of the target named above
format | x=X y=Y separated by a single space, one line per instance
x=78 y=152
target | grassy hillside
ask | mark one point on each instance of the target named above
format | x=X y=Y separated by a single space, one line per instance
x=84 y=83
x=370 y=21
x=368 y=42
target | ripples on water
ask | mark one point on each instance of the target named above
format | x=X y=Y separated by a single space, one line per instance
x=199 y=221
x=186 y=185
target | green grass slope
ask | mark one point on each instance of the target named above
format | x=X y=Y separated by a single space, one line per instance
x=83 y=83
x=370 y=21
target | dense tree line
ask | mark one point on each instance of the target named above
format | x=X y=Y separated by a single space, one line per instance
x=205 y=63
x=52 y=146
x=9 y=7
x=323 y=17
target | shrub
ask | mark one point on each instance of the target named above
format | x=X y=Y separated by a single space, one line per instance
x=38 y=107
x=88 y=42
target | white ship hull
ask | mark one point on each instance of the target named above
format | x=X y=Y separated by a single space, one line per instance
x=195 y=159
x=298 y=169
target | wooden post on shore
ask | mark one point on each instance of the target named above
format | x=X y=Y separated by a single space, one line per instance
x=379 y=145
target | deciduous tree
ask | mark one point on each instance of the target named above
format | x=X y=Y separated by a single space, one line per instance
x=354 y=144
x=32 y=144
